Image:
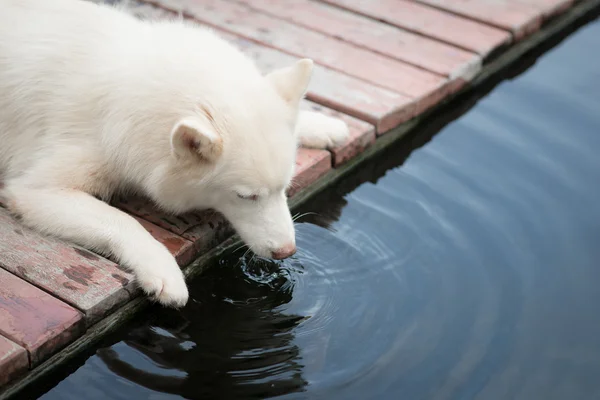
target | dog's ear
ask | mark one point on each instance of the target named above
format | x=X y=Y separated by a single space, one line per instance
x=292 y=82
x=193 y=138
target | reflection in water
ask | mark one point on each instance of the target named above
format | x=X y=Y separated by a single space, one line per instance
x=471 y=271
x=231 y=340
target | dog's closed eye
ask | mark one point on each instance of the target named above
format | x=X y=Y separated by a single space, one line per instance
x=252 y=197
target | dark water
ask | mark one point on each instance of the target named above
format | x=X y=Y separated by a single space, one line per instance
x=470 y=271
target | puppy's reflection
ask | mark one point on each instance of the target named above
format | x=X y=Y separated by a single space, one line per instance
x=231 y=341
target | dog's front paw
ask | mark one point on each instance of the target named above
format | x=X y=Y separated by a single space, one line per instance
x=324 y=132
x=166 y=285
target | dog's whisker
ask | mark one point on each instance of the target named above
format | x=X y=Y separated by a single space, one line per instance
x=239 y=248
x=251 y=260
x=298 y=216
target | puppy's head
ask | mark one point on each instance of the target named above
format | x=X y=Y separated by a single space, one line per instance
x=238 y=157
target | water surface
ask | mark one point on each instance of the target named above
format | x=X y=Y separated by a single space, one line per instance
x=470 y=271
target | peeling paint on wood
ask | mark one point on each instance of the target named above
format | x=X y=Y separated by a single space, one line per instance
x=430 y=22
x=311 y=164
x=520 y=19
x=202 y=229
x=75 y=275
x=181 y=248
x=32 y=318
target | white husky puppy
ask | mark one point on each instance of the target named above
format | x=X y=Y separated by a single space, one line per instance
x=93 y=100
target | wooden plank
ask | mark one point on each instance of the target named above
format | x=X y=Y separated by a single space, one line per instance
x=388 y=40
x=211 y=230
x=362 y=134
x=85 y=280
x=381 y=107
x=520 y=19
x=201 y=229
x=430 y=22
x=13 y=360
x=181 y=248
x=32 y=318
x=143 y=208
x=336 y=54
x=311 y=164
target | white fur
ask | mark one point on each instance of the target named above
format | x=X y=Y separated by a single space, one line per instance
x=94 y=101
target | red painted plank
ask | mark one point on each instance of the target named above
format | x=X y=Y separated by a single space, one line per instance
x=13 y=360
x=391 y=41
x=201 y=229
x=383 y=108
x=89 y=282
x=362 y=134
x=331 y=52
x=211 y=230
x=311 y=164
x=35 y=320
x=519 y=18
x=144 y=208
x=182 y=249
x=430 y=22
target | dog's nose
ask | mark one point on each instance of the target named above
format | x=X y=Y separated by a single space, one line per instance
x=286 y=251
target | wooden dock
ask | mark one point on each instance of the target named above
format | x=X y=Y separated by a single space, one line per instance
x=380 y=64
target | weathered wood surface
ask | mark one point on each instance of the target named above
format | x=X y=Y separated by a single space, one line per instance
x=519 y=18
x=311 y=164
x=430 y=22
x=79 y=277
x=35 y=320
x=13 y=360
x=181 y=248
x=388 y=40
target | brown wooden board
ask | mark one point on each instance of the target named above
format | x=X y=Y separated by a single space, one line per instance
x=430 y=22
x=79 y=277
x=32 y=318
x=519 y=18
